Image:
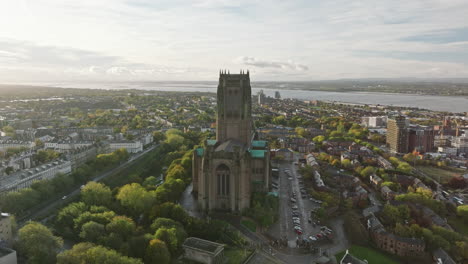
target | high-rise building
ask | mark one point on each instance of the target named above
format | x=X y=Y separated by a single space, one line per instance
x=277 y=95
x=228 y=169
x=261 y=97
x=420 y=139
x=397 y=134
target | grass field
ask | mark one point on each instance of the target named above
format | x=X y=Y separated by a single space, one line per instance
x=236 y=255
x=438 y=174
x=369 y=254
x=250 y=225
x=458 y=224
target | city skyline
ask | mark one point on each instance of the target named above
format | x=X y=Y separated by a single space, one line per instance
x=190 y=40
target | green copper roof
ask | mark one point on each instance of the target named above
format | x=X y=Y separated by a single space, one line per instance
x=259 y=143
x=199 y=151
x=211 y=142
x=255 y=153
x=275 y=194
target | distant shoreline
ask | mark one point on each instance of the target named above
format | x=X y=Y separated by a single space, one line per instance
x=386 y=87
x=441 y=103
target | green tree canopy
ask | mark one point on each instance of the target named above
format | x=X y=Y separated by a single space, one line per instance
x=92 y=231
x=462 y=211
x=157 y=252
x=95 y=193
x=122 y=225
x=135 y=198
x=38 y=243
x=91 y=254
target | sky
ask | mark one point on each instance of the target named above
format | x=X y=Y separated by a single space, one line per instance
x=276 y=40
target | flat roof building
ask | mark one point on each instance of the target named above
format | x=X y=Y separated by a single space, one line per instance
x=203 y=251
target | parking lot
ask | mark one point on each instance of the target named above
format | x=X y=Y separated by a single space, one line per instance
x=296 y=223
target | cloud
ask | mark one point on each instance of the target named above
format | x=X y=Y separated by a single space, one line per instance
x=31 y=54
x=192 y=39
x=287 y=65
x=455 y=35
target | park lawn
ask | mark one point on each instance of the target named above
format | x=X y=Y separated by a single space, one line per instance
x=369 y=254
x=458 y=224
x=438 y=174
x=250 y=225
x=236 y=255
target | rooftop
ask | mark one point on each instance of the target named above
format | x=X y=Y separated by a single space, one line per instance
x=255 y=153
x=259 y=143
x=199 y=151
x=230 y=145
x=203 y=245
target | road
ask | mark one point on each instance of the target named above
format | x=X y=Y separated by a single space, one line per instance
x=76 y=192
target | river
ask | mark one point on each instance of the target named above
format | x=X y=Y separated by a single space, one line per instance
x=436 y=103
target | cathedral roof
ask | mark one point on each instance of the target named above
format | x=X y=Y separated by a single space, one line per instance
x=230 y=145
x=256 y=153
x=259 y=143
x=199 y=151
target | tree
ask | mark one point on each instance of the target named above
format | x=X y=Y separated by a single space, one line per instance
x=280 y=120
x=91 y=254
x=346 y=163
x=38 y=243
x=457 y=183
x=122 y=225
x=47 y=155
x=390 y=214
x=462 y=211
x=150 y=181
x=9 y=130
x=165 y=222
x=39 y=143
x=157 y=252
x=136 y=198
x=410 y=157
x=169 y=236
x=92 y=231
x=101 y=217
x=462 y=249
x=95 y=193
x=392 y=185
x=170 y=210
x=300 y=131
x=158 y=136
x=404 y=167
x=67 y=215
x=367 y=171
x=44 y=188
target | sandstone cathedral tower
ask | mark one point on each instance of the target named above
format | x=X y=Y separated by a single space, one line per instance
x=228 y=169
